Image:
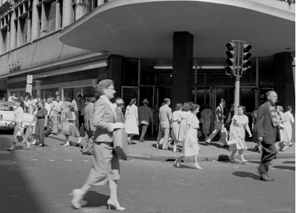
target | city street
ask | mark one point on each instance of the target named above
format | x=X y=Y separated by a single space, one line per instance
x=39 y=181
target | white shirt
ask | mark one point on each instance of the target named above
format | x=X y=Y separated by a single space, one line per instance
x=18 y=114
x=48 y=107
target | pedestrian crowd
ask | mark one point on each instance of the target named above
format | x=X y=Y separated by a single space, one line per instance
x=107 y=131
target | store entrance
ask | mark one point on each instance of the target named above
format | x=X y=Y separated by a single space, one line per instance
x=154 y=94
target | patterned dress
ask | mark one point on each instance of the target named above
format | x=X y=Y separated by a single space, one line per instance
x=238 y=132
x=190 y=144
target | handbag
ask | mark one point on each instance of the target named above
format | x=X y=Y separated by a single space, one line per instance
x=65 y=128
x=120 y=143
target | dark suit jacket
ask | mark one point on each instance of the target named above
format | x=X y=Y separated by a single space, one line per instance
x=264 y=124
x=145 y=114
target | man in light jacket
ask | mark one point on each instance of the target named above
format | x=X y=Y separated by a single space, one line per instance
x=165 y=119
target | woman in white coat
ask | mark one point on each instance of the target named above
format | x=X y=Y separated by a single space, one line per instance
x=131 y=120
x=175 y=125
x=288 y=124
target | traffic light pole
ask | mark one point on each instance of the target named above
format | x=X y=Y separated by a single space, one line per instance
x=237 y=64
x=237 y=76
x=237 y=93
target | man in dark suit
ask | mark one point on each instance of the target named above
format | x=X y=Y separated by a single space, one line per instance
x=145 y=118
x=267 y=132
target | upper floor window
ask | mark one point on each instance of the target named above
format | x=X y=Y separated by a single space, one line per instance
x=23 y=22
x=4 y=27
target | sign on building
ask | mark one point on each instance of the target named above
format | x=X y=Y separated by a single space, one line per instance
x=29 y=88
x=29 y=79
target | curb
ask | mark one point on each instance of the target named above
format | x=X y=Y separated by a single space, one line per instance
x=221 y=157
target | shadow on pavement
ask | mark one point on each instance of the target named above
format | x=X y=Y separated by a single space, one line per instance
x=246 y=175
x=95 y=199
x=291 y=162
x=17 y=194
x=285 y=167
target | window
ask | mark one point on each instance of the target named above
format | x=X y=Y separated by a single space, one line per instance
x=22 y=22
x=4 y=26
x=50 y=16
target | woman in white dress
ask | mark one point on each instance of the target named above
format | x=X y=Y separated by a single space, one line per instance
x=190 y=143
x=284 y=139
x=131 y=120
x=289 y=122
x=175 y=125
x=239 y=124
x=182 y=117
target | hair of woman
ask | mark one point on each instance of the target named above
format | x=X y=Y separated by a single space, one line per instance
x=132 y=101
x=243 y=108
x=186 y=107
x=104 y=84
x=194 y=107
x=178 y=106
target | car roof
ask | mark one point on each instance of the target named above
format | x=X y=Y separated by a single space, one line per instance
x=9 y=103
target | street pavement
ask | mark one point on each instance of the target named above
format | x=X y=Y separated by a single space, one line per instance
x=39 y=181
x=147 y=150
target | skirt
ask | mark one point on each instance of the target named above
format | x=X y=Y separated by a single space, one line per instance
x=190 y=144
x=131 y=126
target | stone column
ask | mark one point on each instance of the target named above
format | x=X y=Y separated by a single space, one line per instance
x=116 y=63
x=12 y=31
x=284 y=83
x=35 y=21
x=182 y=67
x=57 y=16
x=67 y=12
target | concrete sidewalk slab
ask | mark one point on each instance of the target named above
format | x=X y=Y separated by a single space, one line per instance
x=147 y=150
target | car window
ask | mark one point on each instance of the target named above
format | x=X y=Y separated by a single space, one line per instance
x=5 y=107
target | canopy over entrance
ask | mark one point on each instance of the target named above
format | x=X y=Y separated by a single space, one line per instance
x=144 y=28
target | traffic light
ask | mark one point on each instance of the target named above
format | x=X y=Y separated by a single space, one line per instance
x=230 y=61
x=246 y=63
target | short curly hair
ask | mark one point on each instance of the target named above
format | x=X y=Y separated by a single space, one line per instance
x=103 y=84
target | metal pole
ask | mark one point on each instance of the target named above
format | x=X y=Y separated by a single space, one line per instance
x=237 y=94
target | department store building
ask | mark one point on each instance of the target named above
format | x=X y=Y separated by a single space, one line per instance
x=151 y=48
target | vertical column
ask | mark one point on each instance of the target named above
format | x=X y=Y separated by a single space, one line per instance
x=116 y=70
x=57 y=15
x=35 y=21
x=182 y=67
x=12 y=31
x=257 y=84
x=67 y=12
x=284 y=81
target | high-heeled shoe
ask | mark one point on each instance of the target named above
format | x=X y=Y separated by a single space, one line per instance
x=244 y=162
x=66 y=144
x=116 y=206
x=77 y=196
x=197 y=166
x=266 y=178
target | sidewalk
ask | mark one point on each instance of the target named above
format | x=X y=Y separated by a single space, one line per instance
x=147 y=150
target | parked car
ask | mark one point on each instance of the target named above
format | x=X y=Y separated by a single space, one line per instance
x=7 y=115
